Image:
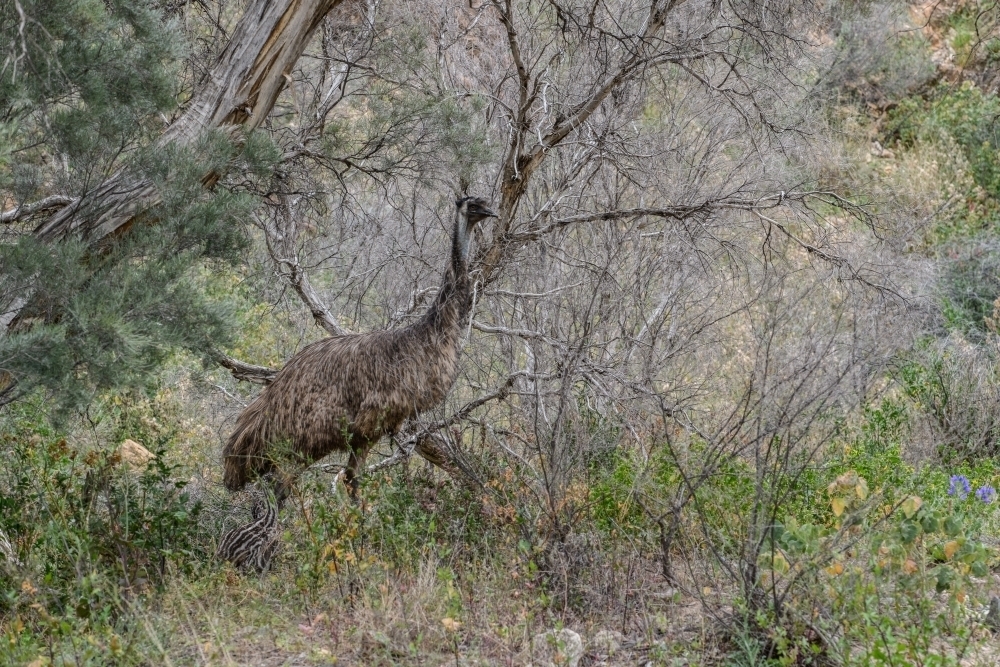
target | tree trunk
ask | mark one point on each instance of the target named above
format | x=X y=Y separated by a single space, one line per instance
x=238 y=93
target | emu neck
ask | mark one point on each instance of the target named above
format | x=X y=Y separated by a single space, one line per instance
x=454 y=298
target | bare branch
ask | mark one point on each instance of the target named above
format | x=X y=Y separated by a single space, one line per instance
x=300 y=283
x=442 y=454
x=26 y=210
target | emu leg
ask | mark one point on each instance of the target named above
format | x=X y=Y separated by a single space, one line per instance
x=281 y=485
x=352 y=474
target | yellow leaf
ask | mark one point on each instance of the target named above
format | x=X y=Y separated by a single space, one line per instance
x=450 y=624
x=707 y=590
x=950 y=548
x=835 y=570
x=909 y=566
x=861 y=488
x=960 y=596
x=779 y=563
x=838 y=505
x=911 y=505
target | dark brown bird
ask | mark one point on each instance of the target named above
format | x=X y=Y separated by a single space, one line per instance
x=344 y=393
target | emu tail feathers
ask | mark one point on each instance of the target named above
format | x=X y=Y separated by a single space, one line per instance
x=244 y=456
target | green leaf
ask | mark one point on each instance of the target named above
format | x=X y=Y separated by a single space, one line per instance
x=945 y=575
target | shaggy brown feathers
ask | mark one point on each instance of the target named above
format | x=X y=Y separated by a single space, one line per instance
x=344 y=393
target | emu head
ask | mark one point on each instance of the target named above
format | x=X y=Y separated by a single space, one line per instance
x=469 y=212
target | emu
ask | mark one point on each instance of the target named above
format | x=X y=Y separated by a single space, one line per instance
x=253 y=545
x=344 y=393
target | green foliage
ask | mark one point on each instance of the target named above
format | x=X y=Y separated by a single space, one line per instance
x=97 y=323
x=957 y=130
x=82 y=97
x=722 y=499
x=612 y=488
x=888 y=602
x=876 y=454
x=968 y=118
x=87 y=83
x=889 y=559
x=93 y=535
x=882 y=585
x=405 y=521
x=967 y=115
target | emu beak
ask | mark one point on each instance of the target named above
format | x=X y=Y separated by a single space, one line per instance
x=480 y=212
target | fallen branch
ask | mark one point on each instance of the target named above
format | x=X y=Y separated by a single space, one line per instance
x=244 y=371
x=25 y=210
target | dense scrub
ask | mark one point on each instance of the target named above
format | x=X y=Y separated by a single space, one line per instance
x=737 y=329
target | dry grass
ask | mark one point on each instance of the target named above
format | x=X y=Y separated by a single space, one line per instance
x=485 y=615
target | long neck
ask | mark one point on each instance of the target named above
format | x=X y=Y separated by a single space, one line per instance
x=454 y=298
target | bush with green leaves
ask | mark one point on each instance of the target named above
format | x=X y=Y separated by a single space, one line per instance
x=951 y=385
x=85 y=89
x=964 y=122
x=967 y=115
x=92 y=533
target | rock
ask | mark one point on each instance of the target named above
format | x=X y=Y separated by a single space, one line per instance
x=557 y=648
x=135 y=455
x=605 y=643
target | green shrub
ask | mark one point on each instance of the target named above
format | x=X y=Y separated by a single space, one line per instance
x=876 y=454
x=612 y=489
x=967 y=115
x=92 y=534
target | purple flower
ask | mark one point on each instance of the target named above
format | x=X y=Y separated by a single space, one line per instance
x=959 y=486
x=986 y=493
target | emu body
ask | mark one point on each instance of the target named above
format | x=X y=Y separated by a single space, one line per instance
x=345 y=393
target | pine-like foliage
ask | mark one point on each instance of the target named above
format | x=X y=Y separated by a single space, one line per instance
x=85 y=89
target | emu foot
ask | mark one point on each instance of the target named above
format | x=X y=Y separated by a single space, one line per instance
x=253 y=545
